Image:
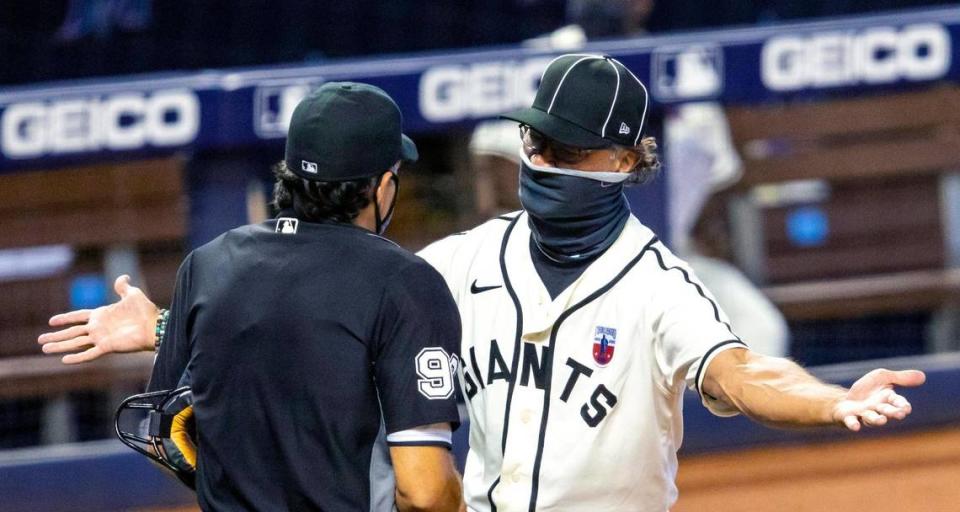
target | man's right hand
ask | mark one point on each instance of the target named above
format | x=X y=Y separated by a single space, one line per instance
x=124 y=326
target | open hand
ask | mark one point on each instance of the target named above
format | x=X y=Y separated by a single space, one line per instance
x=872 y=400
x=124 y=326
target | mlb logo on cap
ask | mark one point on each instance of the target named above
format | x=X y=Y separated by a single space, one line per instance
x=354 y=130
x=310 y=167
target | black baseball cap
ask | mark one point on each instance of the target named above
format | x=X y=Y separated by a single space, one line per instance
x=346 y=131
x=587 y=101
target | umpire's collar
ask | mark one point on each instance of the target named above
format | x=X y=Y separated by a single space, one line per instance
x=290 y=213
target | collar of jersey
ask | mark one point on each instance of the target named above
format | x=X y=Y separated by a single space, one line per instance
x=540 y=312
x=291 y=213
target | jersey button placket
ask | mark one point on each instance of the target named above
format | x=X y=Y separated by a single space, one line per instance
x=526 y=416
x=522 y=446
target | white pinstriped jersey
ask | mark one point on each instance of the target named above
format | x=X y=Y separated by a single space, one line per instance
x=575 y=403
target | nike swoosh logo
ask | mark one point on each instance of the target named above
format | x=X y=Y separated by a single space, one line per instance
x=474 y=289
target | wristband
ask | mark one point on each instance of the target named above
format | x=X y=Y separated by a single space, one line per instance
x=162 y=318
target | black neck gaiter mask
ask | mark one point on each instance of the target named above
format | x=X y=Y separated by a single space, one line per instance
x=574 y=215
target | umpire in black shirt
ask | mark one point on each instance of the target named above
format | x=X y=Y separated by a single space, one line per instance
x=309 y=339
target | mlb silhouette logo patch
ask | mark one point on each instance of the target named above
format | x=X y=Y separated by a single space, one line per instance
x=687 y=72
x=287 y=225
x=310 y=167
x=604 y=340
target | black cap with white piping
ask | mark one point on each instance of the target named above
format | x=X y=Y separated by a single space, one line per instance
x=587 y=101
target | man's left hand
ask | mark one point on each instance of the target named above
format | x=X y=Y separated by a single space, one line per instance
x=872 y=400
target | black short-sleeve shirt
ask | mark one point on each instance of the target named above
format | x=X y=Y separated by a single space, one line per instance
x=300 y=340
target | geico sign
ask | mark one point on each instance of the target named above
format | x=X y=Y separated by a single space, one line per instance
x=456 y=92
x=117 y=122
x=874 y=56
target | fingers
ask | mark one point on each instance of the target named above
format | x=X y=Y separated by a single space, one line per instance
x=890 y=411
x=900 y=403
x=907 y=378
x=87 y=355
x=873 y=418
x=73 y=317
x=72 y=345
x=897 y=403
x=878 y=411
x=851 y=423
x=883 y=396
x=62 y=335
x=122 y=285
x=886 y=404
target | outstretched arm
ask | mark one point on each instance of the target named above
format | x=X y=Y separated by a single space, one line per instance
x=778 y=392
x=124 y=326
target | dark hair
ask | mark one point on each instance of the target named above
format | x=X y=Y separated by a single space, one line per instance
x=317 y=201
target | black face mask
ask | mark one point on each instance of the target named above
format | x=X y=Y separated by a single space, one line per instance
x=574 y=215
x=383 y=222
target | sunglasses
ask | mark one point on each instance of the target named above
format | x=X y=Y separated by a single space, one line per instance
x=535 y=143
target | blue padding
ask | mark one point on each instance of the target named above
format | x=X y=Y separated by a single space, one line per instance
x=103 y=475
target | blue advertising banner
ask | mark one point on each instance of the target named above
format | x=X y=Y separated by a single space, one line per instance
x=54 y=123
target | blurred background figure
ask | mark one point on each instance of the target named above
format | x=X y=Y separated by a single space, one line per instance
x=495 y=163
x=700 y=161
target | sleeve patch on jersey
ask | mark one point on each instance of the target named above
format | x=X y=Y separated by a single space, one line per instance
x=436 y=369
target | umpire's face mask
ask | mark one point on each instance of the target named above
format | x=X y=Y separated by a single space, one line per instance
x=574 y=215
x=383 y=222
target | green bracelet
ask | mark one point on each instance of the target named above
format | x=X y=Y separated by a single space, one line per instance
x=162 y=318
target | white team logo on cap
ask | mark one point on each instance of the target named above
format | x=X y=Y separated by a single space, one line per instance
x=287 y=225
x=310 y=167
x=624 y=129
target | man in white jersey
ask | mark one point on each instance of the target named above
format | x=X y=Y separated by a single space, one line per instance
x=580 y=328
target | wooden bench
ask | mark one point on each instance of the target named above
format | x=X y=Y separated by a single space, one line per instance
x=90 y=206
x=884 y=160
x=45 y=376
x=140 y=204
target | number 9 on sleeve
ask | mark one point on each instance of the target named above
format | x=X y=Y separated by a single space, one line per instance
x=436 y=369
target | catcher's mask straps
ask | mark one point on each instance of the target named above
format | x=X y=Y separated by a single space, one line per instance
x=169 y=429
